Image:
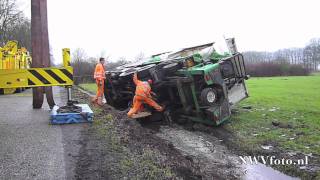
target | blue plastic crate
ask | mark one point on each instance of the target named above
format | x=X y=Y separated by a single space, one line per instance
x=68 y=118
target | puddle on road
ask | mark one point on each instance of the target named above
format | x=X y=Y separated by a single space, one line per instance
x=212 y=152
x=262 y=172
x=192 y=144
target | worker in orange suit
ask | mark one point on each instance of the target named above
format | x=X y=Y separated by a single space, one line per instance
x=142 y=95
x=99 y=76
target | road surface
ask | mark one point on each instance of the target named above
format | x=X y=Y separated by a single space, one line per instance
x=31 y=148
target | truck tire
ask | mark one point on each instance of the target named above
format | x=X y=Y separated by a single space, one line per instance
x=171 y=68
x=144 y=71
x=143 y=74
x=108 y=92
x=208 y=96
x=18 y=90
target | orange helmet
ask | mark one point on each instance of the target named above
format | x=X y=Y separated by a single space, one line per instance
x=150 y=81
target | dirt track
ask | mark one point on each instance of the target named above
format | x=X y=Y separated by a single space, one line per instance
x=115 y=147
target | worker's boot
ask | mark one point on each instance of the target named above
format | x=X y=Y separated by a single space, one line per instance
x=163 y=107
x=99 y=101
x=93 y=99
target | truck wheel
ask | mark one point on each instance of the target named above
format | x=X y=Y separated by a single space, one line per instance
x=108 y=93
x=18 y=90
x=209 y=96
x=171 y=68
x=144 y=73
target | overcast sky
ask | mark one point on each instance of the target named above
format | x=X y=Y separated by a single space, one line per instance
x=125 y=28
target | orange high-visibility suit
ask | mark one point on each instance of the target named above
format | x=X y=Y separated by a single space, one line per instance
x=99 y=76
x=142 y=95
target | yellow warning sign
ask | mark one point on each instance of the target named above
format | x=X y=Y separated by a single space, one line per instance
x=36 y=77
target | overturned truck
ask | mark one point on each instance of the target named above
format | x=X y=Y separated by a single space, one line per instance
x=194 y=83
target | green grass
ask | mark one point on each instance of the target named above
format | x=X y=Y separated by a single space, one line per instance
x=144 y=164
x=92 y=87
x=297 y=102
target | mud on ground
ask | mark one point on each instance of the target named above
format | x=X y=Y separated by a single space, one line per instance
x=241 y=147
x=115 y=147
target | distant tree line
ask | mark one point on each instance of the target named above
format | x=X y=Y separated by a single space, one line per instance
x=84 y=66
x=292 y=61
x=14 y=25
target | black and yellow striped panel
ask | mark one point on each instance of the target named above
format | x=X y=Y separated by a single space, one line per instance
x=50 y=77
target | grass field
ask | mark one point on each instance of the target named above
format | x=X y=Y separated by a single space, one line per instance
x=92 y=87
x=294 y=102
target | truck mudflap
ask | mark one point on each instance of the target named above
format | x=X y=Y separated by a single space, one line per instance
x=237 y=93
x=218 y=114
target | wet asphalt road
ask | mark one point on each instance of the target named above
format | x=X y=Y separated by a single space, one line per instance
x=31 y=148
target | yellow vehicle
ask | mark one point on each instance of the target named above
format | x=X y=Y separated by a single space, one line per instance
x=13 y=58
x=14 y=76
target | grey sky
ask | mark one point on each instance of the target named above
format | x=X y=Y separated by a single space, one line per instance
x=126 y=28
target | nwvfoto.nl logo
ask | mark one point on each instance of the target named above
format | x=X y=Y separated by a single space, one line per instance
x=272 y=160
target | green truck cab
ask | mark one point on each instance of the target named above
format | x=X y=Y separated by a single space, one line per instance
x=194 y=83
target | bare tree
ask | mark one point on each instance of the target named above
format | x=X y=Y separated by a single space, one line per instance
x=82 y=68
x=9 y=17
x=308 y=56
x=21 y=32
x=122 y=61
x=139 y=57
x=84 y=65
x=312 y=53
x=112 y=65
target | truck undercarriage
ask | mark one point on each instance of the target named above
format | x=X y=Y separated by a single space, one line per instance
x=194 y=83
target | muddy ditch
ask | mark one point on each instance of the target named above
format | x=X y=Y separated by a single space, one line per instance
x=270 y=148
x=115 y=147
